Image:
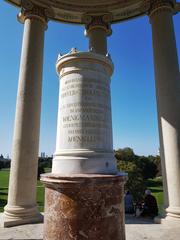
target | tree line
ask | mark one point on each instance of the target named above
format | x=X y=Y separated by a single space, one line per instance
x=139 y=169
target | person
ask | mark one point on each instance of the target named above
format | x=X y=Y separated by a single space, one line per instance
x=150 y=207
x=128 y=200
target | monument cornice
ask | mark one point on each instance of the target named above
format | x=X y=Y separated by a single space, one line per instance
x=86 y=56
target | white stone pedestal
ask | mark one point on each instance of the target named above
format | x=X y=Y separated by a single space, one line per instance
x=84 y=132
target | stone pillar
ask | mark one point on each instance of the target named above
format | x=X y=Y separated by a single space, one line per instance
x=84 y=131
x=21 y=207
x=97 y=29
x=168 y=98
x=84 y=196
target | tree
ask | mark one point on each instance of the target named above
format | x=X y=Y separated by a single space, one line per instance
x=1 y=164
x=125 y=154
x=147 y=167
x=135 y=183
x=40 y=171
x=139 y=169
x=157 y=161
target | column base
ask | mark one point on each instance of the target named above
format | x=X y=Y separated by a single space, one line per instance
x=167 y=220
x=17 y=215
x=84 y=207
x=172 y=215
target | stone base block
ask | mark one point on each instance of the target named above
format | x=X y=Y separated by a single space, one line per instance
x=16 y=215
x=83 y=206
x=171 y=215
x=167 y=219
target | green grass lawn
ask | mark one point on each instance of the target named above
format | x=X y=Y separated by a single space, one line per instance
x=4 y=181
x=155 y=185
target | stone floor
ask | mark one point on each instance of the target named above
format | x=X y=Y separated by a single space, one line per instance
x=136 y=229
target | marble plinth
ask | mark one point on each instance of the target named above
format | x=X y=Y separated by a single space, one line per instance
x=84 y=207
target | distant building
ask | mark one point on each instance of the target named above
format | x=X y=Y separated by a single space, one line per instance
x=43 y=154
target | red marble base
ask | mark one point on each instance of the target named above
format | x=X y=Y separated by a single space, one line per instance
x=81 y=207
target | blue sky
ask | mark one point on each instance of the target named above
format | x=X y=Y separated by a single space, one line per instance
x=132 y=89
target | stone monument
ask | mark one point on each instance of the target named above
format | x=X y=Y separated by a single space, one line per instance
x=84 y=192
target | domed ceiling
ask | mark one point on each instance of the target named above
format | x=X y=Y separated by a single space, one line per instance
x=73 y=11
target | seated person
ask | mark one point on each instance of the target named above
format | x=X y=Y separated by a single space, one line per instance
x=128 y=201
x=150 y=205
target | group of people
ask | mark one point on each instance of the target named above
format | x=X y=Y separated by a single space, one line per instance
x=148 y=208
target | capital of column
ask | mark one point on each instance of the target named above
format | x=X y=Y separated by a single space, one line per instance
x=157 y=6
x=31 y=11
x=99 y=21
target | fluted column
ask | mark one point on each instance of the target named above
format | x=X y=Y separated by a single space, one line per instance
x=97 y=30
x=168 y=97
x=21 y=206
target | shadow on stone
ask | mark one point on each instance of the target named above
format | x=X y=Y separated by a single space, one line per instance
x=131 y=219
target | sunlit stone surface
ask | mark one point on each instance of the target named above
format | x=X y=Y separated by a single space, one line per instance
x=84 y=132
x=73 y=11
x=84 y=193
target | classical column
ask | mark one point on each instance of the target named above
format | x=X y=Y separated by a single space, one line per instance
x=21 y=207
x=84 y=193
x=97 y=30
x=168 y=97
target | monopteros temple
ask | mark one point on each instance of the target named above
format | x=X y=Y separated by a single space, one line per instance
x=84 y=191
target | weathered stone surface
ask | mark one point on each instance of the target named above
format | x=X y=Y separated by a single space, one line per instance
x=136 y=229
x=84 y=129
x=21 y=207
x=168 y=102
x=74 y=11
x=84 y=207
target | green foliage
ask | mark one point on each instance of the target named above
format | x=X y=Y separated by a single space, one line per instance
x=125 y=154
x=155 y=185
x=139 y=169
x=40 y=170
x=1 y=165
x=135 y=183
x=147 y=167
x=45 y=162
x=157 y=161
